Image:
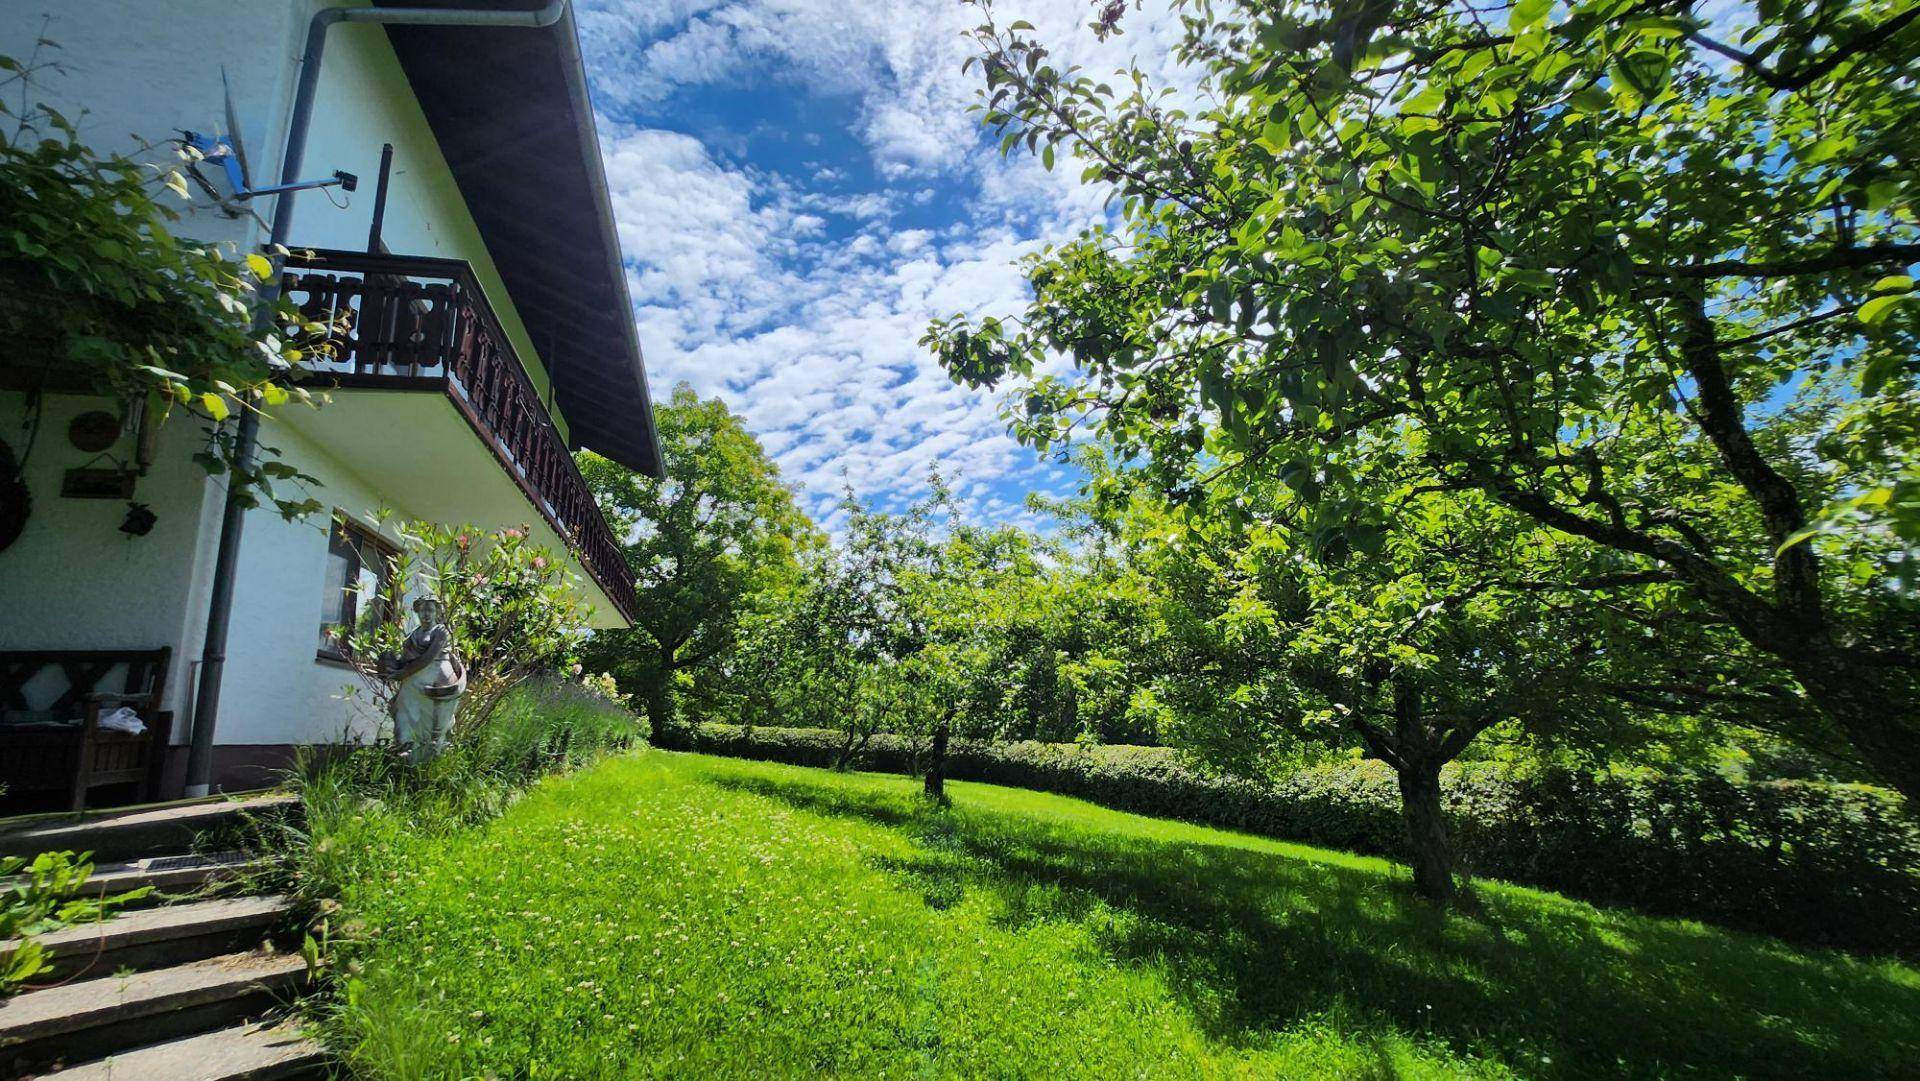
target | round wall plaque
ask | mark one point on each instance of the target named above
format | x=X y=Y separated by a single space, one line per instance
x=94 y=431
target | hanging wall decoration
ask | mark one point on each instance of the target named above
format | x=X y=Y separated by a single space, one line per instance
x=94 y=431
x=139 y=520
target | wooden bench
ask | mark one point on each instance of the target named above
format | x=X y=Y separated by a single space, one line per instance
x=78 y=755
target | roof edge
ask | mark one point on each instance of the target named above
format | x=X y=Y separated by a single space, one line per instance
x=589 y=133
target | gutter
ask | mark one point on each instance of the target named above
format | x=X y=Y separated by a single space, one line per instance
x=603 y=207
x=213 y=656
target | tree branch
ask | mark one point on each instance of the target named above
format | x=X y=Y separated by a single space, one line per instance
x=1806 y=75
x=1796 y=567
x=1747 y=610
x=1853 y=258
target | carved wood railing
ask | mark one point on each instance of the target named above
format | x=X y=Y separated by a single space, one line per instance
x=409 y=321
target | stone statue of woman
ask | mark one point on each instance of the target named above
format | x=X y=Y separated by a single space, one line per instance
x=431 y=679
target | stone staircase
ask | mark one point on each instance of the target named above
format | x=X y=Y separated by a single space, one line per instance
x=187 y=984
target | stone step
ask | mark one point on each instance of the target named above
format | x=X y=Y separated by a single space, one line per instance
x=172 y=877
x=134 y=833
x=151 y=937
x=274 y=1051
x=92 y=1019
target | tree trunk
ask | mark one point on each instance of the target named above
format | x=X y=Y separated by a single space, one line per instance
x=1417 y=751
x=1876 y=706
x=1426 y=831
x=660 y=708
x=854 y=748
x=937 y=764
x=660 y=703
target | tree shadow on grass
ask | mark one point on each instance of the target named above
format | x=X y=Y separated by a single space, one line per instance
x=1252 y=942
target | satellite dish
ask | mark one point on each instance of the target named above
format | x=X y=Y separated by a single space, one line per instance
x=229 y=151
x=236 y=161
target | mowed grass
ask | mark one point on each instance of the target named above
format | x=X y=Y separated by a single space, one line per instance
x=672 y=915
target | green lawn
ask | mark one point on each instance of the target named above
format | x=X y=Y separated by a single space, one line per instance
x=677 y=915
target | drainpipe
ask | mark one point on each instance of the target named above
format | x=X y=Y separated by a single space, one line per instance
x=213 y=656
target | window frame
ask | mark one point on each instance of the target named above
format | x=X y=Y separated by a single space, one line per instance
x=359 y=537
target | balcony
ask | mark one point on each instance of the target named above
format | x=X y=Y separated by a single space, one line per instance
x=424 y=325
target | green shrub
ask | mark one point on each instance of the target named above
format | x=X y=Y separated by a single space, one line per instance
x=514 y=609
x=96 y=286
x=555 y=719
x=1824 y=864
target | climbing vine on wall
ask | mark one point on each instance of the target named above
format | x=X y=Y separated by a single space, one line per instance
x=98 y=295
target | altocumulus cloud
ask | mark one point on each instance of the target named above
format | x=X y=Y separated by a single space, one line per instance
x=798 y=290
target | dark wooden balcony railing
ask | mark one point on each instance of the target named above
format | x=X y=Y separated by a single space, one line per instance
x=412 y=322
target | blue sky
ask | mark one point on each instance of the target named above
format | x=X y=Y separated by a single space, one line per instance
x=800 y=189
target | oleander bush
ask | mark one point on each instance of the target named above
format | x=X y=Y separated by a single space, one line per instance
x=1813 y=862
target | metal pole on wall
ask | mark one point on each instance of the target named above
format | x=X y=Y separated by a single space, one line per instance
x=213 y=655
x=380 y=200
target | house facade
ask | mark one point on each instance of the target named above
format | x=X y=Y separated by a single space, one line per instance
x=489 y=334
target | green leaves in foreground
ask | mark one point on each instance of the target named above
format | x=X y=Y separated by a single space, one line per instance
x=40 y=895
x=93 y=282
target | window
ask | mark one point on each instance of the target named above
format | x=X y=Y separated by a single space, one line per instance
x=359 y=585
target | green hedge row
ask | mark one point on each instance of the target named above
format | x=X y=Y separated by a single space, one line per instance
x=1815 y=863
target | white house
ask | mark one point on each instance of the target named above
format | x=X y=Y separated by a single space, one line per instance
x=492 y=334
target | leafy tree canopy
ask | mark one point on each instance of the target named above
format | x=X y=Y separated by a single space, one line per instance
x=703 y=544
x=1586 y=264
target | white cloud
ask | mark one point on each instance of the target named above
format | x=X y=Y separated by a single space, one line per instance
x=741 y=287
x=901 y=61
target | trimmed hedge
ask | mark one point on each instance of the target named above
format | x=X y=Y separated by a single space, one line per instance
x=1815 y=863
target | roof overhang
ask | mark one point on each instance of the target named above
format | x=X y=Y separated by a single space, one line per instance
x=511 y=112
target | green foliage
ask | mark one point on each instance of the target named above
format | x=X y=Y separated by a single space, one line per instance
x=920 y=614
x=364 y=810
x=1583 y=263
x=94 y=285
x=41 y=895
x=1438 y=632
x=833 y=647
x=677 y=915
x=1812 y=862
x=548 y=723
x=515 y=609
x=707 y=546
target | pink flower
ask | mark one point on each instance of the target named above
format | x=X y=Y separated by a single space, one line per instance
x=463 y=541
x=514 y=533
x=539 y=563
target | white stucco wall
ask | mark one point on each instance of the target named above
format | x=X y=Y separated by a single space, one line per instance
x=275 y=689
x=74 y=581
x=134 y=72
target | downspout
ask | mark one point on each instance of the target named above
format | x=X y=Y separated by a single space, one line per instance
x=213 y=656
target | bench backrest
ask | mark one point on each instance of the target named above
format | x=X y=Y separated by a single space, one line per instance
x=142 y=678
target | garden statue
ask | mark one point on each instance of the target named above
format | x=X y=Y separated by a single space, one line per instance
x=431 y=678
